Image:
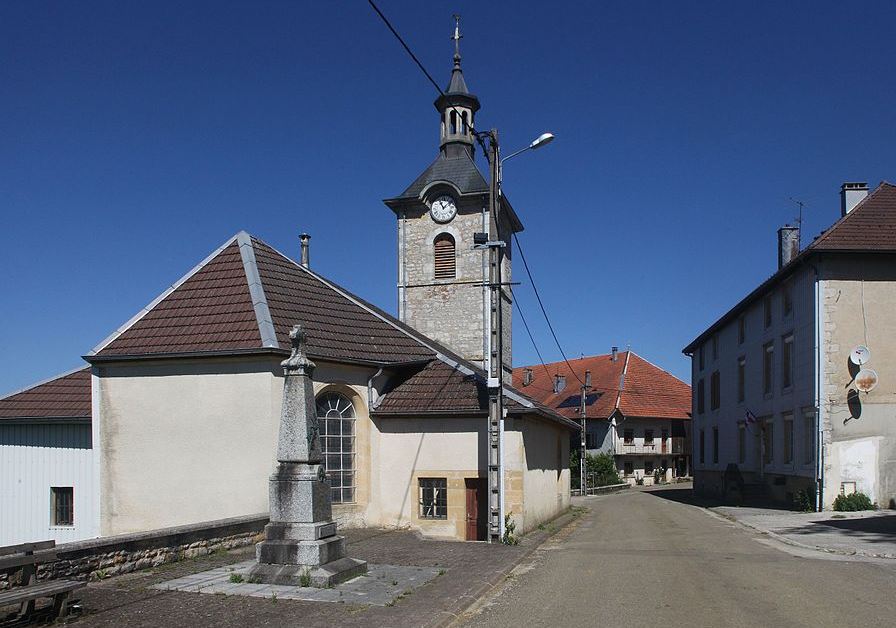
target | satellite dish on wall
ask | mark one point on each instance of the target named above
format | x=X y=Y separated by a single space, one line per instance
x=860 y=355
x=866 y=380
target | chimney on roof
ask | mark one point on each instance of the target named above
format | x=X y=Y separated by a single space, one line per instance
x=305 y=239
x=851 y=194
x=527 y=376
x=788 y=244
x=559 y=383
x=588 y=378
x=614 y=354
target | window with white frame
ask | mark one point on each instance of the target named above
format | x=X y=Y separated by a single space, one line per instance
x=768 y=356
x=741 y=443
x=768 y=442
x=433 y=498
x=787 y=361
x=336 y=419
x=787 y=299
x=809 y=437
x=741 y=378
x=788 y=437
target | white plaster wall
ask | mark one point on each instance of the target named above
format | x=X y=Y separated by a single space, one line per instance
x=540 y=450
x=407 y=448
x=186 y=442
x=860 y=436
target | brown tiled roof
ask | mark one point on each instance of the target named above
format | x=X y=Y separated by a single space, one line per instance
x=442 y=389
x=337 y=327
x=247 y=296
x=631 y=384
x=64 y=397
x=210 y=311
x=869 y=228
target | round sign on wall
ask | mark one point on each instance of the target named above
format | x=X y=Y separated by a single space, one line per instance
x=866 y=380
x=860 y=355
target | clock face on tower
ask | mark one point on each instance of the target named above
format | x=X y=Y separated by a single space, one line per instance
x=443 y=208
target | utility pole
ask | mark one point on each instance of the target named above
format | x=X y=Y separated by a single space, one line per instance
x=583 y=486
x=495 y=247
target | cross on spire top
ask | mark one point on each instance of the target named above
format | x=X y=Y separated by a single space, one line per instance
x=457 y=37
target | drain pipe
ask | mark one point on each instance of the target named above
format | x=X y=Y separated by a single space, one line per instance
x=371 y=402
x=819 y=386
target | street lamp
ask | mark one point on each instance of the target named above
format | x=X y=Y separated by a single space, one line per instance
x=538 y=142
x=495 y=382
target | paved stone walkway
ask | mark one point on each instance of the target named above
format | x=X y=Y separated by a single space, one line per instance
x=467 y=571
x=868 y=533
x=381 y=585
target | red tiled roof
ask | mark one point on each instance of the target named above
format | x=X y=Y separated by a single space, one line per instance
x=869 y=228
x=632 y=384
x=64 y=397
x=247 y=296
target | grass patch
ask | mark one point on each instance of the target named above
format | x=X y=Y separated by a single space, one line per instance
x=236 y=578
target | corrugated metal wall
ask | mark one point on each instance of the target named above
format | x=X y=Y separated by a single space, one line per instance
x=33 y=458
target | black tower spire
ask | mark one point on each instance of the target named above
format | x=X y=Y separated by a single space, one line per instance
x=457 y=107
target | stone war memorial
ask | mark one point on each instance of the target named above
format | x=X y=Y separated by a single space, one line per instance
x=301 y=546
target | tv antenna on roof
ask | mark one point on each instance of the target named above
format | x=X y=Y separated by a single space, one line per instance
x=799 y=222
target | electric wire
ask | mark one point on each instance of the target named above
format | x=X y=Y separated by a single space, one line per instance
x=519 y=248
x=476 y=134
x=529 y=332
x=543 y=311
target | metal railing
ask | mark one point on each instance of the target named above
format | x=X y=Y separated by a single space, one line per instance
x=671 y=446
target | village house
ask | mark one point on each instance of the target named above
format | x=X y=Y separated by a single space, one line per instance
x=634 y=410
x=787 y=403
x=175 y=419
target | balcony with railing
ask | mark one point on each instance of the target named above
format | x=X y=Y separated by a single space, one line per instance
x=659 y=446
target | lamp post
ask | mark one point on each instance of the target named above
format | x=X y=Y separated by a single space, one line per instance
x=495 y=246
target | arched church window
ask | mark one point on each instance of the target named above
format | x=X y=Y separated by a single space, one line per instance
x=336 y=416
x=443 y=249
x=453 y=122
x=463 y=123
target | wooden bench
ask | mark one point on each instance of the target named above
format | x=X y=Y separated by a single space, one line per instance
x=22 y=560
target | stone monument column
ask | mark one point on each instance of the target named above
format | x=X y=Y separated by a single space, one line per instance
x=301 y=545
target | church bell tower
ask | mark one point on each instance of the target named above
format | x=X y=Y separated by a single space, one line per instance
x=442 y=279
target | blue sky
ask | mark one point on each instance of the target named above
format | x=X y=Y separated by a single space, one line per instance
x=137 y=137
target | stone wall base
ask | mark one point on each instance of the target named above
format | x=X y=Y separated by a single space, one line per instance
x=99 y=558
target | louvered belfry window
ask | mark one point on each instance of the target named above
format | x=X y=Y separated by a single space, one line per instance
x=444 y=257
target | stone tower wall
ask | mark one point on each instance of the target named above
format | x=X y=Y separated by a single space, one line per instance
x=451 y=311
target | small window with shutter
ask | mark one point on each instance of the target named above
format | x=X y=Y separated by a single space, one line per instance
x=444 y=257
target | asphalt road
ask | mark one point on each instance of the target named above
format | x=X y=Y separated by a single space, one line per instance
x=642 y=558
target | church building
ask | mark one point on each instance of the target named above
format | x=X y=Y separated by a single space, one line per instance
x=174 y=421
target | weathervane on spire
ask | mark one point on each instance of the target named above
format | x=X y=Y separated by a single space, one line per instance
x=457 y=37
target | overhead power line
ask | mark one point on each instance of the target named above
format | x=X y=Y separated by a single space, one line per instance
x=531 y=337
x=543 y=311
x=406 y=47
x=477 y=135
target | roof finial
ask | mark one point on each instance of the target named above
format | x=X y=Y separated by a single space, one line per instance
x=457 y=37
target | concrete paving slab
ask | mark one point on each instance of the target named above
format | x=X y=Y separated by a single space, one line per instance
x=380 y=586
x=869 y=533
